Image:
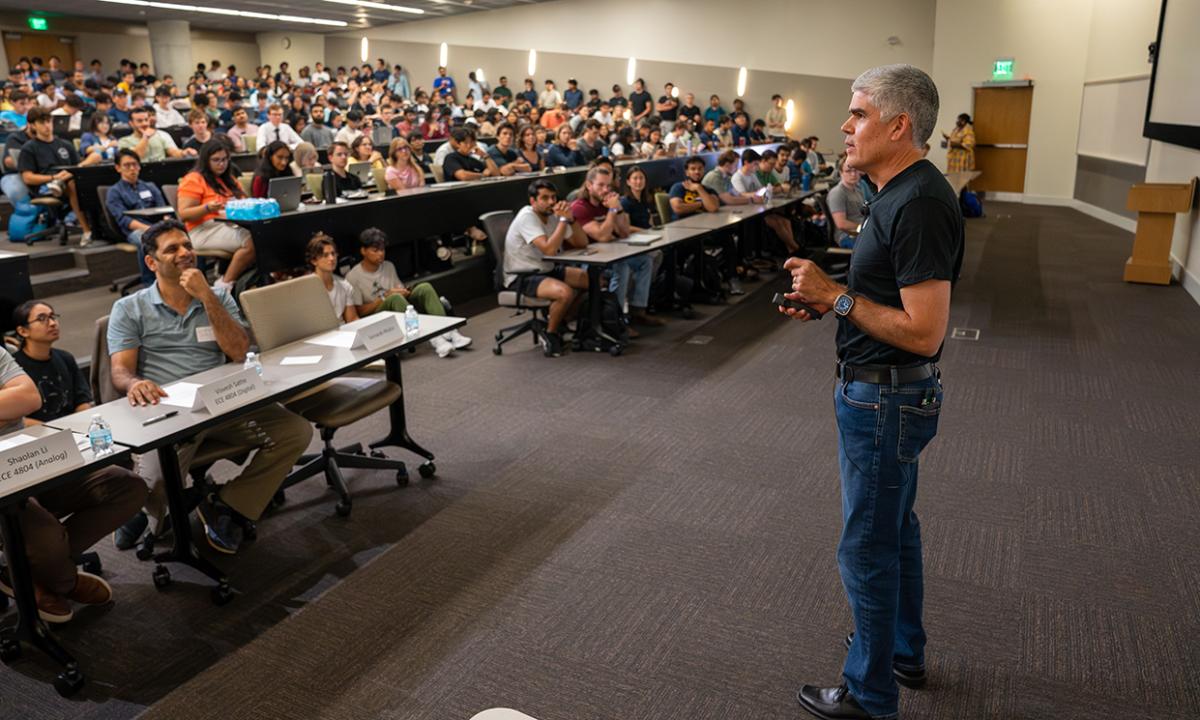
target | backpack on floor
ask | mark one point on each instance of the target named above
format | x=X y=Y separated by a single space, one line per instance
x=707 y=288
x=612 y=320
x=972 y=206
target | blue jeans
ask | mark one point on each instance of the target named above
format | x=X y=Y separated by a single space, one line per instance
x=640 y=268
x=14 y=187
x=882 y=429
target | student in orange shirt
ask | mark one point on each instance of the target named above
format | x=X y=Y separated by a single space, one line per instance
x=203 y=193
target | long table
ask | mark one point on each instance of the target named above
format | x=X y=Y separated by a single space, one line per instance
x=434 y=210
x=132 y=434
x=29 y=628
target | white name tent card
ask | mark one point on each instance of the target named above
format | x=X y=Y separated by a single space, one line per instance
x=380 y=331
x=219 y=396
x=26 y=460
x=301 y=360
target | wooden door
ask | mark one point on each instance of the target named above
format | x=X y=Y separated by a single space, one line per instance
x=39 y=44
x=1001 y=116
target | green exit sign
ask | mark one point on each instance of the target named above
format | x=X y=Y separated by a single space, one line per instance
x=1002 y=69
x=38 y=23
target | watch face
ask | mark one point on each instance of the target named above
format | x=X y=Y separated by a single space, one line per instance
x=843 y=304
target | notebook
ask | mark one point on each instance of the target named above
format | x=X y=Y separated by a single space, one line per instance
x=642 y=238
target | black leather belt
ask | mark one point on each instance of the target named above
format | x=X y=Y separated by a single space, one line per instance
x=885 y=374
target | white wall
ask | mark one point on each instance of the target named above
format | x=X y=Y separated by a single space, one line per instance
x=815 y=37
x=304 y=49
x=1119 y=33
x=230 y=48
x=971 y=34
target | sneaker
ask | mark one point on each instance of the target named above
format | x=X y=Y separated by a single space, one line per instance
x=52 y=608
x=85 y=240
x=219 y=525
x=90 y=590
x=458 y=340
x=641 y=317
x=55 y=188
x=552 y=344
x=127 y=536
x=735 y=287
x=441 y=346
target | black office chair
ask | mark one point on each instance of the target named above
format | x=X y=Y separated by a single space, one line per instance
x=495 y=225
x=125 y=284
x=832 y=258
x=51 y=211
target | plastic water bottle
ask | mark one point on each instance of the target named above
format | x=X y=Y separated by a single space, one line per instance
x=412 y=323
x=100 y=436
x=252 y=361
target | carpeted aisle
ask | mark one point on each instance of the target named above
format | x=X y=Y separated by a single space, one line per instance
x=653 y=536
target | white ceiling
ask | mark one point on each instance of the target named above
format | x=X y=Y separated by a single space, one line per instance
x=357 y=17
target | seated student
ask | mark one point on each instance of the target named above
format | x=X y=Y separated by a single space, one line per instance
x=72 y=107
x=746 y=182
x=653 y=147
x=590 y=146
x=598 y=213
x=545 y=227
x=96 y=504
x=133 y=193
x=242 y=128
x=41 y=155
x=505 y=155
x=363 y=150
x=202 y=195
x=416 y=141
x=708 y=136
x=20 y=102
x=317 y=133
x=276 y=162
x=276 y=129
x=11 y=184
x=166 y=116
x=846 y=203
x=403 y=172
x=352 y=129
x=563 y=152
x=377 y=287
x=151 y=144
x=322 y=257
x=468 y=161
x=202 y=126
x=758 y=132
x=339 y=164
x=435 y=126
x=625 y=145
x=305 y=160
x=690 y=196
x=180 y=326
x=529 y=148
x=99 y=138
x=741 y=130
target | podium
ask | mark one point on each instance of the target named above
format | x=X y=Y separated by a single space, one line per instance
x=1156 y=205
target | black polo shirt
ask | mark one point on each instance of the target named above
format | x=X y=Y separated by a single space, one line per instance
x=913 y=233
x=638 y=101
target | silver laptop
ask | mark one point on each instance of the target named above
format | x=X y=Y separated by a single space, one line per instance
x=363 y=171
x=286 y=191
x=642 y=238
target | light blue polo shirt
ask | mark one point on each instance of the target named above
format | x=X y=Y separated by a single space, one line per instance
x=171 y=346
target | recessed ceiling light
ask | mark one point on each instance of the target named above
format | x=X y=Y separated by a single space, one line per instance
x=229 y=12
x=380 y=6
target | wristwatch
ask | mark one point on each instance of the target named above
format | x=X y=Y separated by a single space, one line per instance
x=844 y=304
x=564 y=219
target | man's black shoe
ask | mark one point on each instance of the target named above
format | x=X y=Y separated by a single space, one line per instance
x=910 y=676
x=220 y=527
x=831 y=703
x=552 y=344
x=127 y=536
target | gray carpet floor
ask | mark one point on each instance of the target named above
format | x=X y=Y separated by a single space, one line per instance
x=653 y=536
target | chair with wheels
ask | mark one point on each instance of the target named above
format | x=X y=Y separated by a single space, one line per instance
x=495 y=225
x=35 y=219
x=125 y=284
x=295 y=309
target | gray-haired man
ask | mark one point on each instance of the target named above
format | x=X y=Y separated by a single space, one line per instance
x=892 y=318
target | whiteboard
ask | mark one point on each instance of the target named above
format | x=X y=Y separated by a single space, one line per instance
x=1111 y=119
x=1176 y=101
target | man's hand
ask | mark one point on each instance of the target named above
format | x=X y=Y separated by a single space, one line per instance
x=190 y=151
x=689 y=185
x=401 y=291
x=811 y=286
x=63 y=175
x=612 y=201
x=145 y=392
x=194 y=282
x=149 y=132
x=562 y=208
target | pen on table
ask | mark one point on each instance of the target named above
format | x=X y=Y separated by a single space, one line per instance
x=159 y=418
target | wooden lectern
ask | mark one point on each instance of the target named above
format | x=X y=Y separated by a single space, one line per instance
x=1156 y=205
